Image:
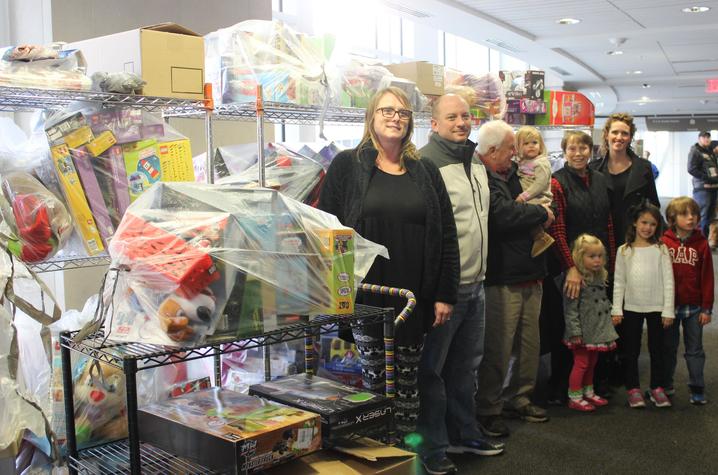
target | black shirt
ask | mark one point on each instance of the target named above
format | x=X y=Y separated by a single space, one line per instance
x=618 y=207
x=394 y=214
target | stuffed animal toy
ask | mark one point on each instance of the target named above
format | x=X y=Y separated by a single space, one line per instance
x=100 y=404
x=185 y=319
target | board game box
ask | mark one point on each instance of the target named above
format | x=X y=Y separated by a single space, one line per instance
x=345 y=410
x=229 y=431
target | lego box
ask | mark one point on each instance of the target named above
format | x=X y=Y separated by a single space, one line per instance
x=337 y=246
x=228 y=431
x=344 y=410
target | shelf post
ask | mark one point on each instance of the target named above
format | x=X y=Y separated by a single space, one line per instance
x=208 y=110
x=67 y=387
x=133 y=430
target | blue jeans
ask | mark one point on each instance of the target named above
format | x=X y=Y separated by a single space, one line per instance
x=694 y=355
x=706 y=200
x=447 y=373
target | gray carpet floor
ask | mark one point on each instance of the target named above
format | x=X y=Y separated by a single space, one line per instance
x=616 y=439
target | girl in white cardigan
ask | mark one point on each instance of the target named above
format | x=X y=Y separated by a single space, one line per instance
x=643 y=290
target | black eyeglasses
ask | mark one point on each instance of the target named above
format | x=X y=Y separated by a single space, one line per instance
x=390 y=112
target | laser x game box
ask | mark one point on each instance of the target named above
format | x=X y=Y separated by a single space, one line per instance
x=344 y=410
x=229 y=431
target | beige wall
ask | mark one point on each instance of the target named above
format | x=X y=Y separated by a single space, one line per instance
x=74 y=20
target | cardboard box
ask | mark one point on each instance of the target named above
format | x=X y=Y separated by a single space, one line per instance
x=229 y=431
x=168 y=56
x=567 y=108
x=345 y=410
x=358 y=457
x=534 y=84
x=337 y=246
x=76 y=200
x=429 y=78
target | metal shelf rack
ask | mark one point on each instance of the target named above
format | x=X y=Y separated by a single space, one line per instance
x=278 y=112
x=26 y=99
x=130 y=456
x=114 y=458
x=70 y=262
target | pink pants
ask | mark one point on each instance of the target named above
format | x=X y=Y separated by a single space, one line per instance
x=584 y=361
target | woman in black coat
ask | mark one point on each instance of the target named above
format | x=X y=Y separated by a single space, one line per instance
x=630 y=178
x=389 y=196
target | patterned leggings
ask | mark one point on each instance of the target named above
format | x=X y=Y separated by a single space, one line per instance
x=371 y=355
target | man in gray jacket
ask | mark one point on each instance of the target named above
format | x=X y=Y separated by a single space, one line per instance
x=452 y=351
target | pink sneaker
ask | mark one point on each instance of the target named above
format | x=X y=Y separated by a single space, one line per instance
x=659 y=398
x=635 y=398
x=581 y=405
x=596 y=400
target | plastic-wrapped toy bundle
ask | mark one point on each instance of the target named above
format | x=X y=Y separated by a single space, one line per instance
x=43 y=67
x=483 y=93
x=219 y=262
x=289 y=65
x=360 y=81
x=106 y=158
x=24 y=399
x=35 y=223
x=294 y=175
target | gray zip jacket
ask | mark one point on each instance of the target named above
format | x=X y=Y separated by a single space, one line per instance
x=467 y=183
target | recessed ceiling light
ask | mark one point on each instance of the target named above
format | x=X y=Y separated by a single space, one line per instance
x=696 y=9
x=568 y=21
x=645 y=98
x=645 y=85
x=614 y=52
x=641 y=103
x=637 y=71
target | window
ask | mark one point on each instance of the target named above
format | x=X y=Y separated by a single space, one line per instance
x=407 y=38
x=465 y=55
x=509 y=63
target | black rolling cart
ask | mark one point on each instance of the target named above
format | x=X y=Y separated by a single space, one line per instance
x=129 y=456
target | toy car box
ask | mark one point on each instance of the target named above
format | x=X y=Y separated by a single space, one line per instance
x=229 y=431
x=344 y=410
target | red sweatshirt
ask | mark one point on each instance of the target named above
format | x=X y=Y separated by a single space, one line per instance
x=692 y=269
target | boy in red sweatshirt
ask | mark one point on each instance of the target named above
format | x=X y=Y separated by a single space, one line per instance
x=693 y=274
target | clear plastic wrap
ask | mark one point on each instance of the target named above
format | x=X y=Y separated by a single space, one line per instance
x=106 y=158
x=289 y=65
x=25 y=349
x=291 y=173
x=18 y=151
x=359 y=81
x=197 y=262
x=483 y=93
x=35 y=223
x=43 y=67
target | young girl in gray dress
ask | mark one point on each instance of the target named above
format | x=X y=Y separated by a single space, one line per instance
x=589 y=329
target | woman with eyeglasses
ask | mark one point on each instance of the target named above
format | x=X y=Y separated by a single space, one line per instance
x=383 y=191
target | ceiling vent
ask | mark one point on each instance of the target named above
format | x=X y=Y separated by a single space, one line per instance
x=404 y=9
x=504 y=45
x=560 y=70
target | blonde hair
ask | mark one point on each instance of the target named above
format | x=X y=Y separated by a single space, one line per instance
x=408 y=149
x=527 y=133
x=681 y=205
x=579 y=250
